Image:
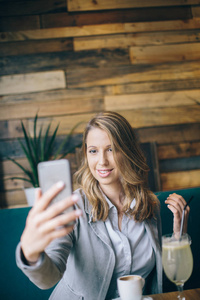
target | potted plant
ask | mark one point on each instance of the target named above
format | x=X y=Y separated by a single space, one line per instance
x=40 y=147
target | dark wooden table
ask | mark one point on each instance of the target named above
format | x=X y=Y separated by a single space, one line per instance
x=188 y=294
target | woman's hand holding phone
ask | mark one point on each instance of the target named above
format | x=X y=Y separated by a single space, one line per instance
x=46 y=223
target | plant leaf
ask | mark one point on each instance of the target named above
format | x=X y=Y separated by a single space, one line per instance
x=27 y=172
x=49 y=149
x=31 y=163
x=35 y=130
x=34 y=150
x=39 y=146
x=44 y=142
x=35 y=141
x=27 y=141
x=19 y=178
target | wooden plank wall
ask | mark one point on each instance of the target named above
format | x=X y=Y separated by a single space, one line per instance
x=67 y=60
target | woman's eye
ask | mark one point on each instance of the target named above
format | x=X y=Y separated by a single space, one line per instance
x=93 y=151
x=110 y=149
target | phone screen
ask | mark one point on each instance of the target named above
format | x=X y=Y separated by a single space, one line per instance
x=50 y=172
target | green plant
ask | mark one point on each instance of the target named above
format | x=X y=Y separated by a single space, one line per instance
x=39 y=148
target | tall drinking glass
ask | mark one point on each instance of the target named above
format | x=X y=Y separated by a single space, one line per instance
x=177 y=260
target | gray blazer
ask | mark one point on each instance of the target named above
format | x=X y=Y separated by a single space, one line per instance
x=83 y=261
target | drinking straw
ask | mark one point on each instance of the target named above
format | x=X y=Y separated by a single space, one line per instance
x=183 y=215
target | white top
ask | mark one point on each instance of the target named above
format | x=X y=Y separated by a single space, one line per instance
x=133 y=250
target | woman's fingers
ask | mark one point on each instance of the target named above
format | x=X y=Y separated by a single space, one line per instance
x=176 y=204
x=57 y=223
x=55 y=209
x=36 y=237
x=45 y=223
x=62 y=231
x=49 y=231
x=38 y=195
x=42 y=201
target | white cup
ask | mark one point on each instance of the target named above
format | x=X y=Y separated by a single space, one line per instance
x=130 y=287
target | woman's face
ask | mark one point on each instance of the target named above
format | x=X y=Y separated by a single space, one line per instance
x=100 y=158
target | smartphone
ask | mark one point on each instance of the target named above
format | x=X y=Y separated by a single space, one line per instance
x=50 y=172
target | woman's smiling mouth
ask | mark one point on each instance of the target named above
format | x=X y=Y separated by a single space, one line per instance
x=104 y=173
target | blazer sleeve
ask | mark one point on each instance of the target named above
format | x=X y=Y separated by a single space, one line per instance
x=51 y=265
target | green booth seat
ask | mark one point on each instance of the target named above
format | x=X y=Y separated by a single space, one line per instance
x=13 y=283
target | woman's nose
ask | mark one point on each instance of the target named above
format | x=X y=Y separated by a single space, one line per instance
x=103 y=160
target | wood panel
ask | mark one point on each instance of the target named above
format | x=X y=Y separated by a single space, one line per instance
x=100 y=91
x=174 y=134
x=32 y=82
x=57 y=95
x=180 y=133
x=11 y=129
x=19 y=23
x=78 y=5
x=88 y=30
x=136 y=39
x=162 y=53
x=138 y=118
x=14 y=198
x=162 y=25
x=12 y=184
x=114 y=16
x=87 y=77
x=179 y=150
x=32 y=47
x=171 y=134
x=7 y=167
x=53 y=108
x=60 y=61
x=147 y=100
x=158 y=86
x=31 y=7
x=196 y=11
x=138 y=58
x=179 y=164
x=12 y=148
x=192 y=294
x=162 y=116
x=66 y=123
x=180 y=180
x=64 y=32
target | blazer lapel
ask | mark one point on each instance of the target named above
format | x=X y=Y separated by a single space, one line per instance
x=100 y=230
x=99 y=227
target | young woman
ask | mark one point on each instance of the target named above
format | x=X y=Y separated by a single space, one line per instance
x=117 y=230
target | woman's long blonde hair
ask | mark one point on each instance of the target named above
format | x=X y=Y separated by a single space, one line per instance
x=132 y=166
